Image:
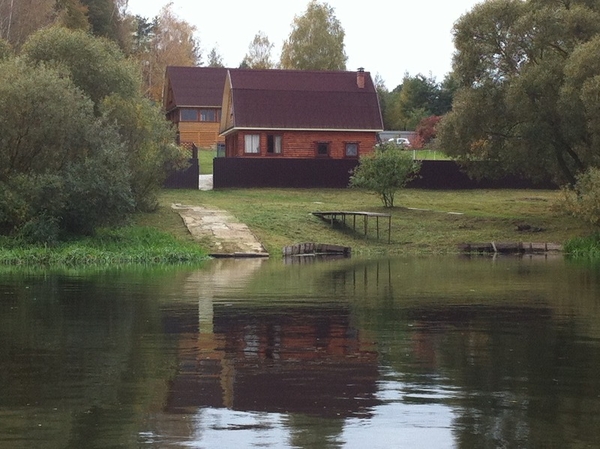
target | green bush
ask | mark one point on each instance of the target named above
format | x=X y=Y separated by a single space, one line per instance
x=583 y=201
x=385 y=171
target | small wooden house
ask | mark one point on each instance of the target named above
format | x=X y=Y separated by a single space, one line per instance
x=192 y=101
x=299 y=114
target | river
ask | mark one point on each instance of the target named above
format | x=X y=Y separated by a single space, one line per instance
x=414 y=352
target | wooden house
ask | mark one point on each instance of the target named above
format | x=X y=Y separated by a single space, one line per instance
x=299 y=114
x=192 y=101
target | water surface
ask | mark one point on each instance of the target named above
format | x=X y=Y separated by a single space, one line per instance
x=441 y=352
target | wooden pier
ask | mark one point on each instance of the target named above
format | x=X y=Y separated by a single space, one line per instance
x=340 y=216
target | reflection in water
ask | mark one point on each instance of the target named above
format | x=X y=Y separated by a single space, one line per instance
x=415 y=352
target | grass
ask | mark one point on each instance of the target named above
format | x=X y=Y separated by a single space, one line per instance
x=423 y=221
x=429 y=155
x=205 y=159
x=130 y=245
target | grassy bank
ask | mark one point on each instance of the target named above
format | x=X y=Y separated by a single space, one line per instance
x=423 y=222
x=134 y=245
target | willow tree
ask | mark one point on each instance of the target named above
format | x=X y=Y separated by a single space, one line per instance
x=316 y=41
x=528 y=75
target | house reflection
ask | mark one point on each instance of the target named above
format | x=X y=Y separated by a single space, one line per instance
x=307 y=360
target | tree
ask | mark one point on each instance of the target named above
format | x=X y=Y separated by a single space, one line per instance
x=527 y=101
x=63 y=169
x=316 y=41
x=112 y=83
x=214 y=58
x=97 y=66
x=385 y=171
x=21 y=18
x=72 y=14
x=259 y=53
x=426 y=131
x=169 y=41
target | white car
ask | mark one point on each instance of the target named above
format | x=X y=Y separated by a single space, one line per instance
x=401 y=141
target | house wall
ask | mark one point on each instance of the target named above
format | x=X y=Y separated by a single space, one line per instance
x=203 y=134
x=303 y=144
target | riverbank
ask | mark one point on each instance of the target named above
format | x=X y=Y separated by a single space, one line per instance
x=123 y=246
x=425 y=221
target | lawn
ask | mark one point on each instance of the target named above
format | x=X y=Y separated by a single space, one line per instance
x=423 y=221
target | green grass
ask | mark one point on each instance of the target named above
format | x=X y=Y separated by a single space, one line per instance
x=130 y=245
x=584 y=248
x=423 y=221
x=205 y=159
x=429 y=155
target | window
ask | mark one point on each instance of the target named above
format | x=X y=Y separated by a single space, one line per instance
x=273 y=144
x=322 y=149
x=189 y=115
x=252 y=143
x=351 y=149
x=208 y=115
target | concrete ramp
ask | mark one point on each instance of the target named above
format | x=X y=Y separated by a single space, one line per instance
x=220 y=231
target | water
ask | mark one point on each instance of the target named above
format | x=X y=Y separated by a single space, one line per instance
x=441 y=352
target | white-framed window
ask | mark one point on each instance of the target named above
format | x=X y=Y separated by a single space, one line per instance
x=252 y=143
x=273 y=144
x=351 y=149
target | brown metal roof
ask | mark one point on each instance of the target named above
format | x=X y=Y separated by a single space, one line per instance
x=301 y=99
x=196 y=86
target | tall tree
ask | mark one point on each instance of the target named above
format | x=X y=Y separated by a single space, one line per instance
x=21 y=18
x=316 y=41
x=170 y=41
x=527 y=100
x=214 y=58
x=259 y=53
x=72 y=14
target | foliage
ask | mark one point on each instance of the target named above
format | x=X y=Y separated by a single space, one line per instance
x=21 y=18
x=72 y=14
x=46 y=121
x=425 y=131
x=316 y=41
x=527 y=101
x=5 y=50
x=167 y=40
x=417 y=98
x=80 y=147
x=384 y=172
x=149 y=138
x=583 y=201
x=259 y=53
x=584 y=247
x=97 y=66
x=214 y=58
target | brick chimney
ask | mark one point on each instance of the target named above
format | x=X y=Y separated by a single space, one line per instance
x=360 y=78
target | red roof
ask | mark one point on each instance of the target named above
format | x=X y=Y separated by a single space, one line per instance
x=300 y=99
x=196 y=86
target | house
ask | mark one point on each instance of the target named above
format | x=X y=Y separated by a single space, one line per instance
x=192 y=101
x=299 y=114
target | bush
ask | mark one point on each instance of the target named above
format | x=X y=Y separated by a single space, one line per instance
x=583 y=200
x=385 y=171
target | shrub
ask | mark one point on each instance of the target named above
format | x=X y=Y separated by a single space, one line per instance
x=385 y=171
x=583 y=200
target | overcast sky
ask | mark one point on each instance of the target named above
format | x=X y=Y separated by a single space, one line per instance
x=389 y=38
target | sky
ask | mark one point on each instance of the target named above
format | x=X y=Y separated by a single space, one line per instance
x=387 y=38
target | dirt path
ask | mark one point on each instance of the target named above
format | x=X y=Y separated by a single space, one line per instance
x=220 y=231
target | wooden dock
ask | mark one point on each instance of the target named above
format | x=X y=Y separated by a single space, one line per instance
x=340 y=216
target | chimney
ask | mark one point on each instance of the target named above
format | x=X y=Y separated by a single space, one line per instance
x=360 y=78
